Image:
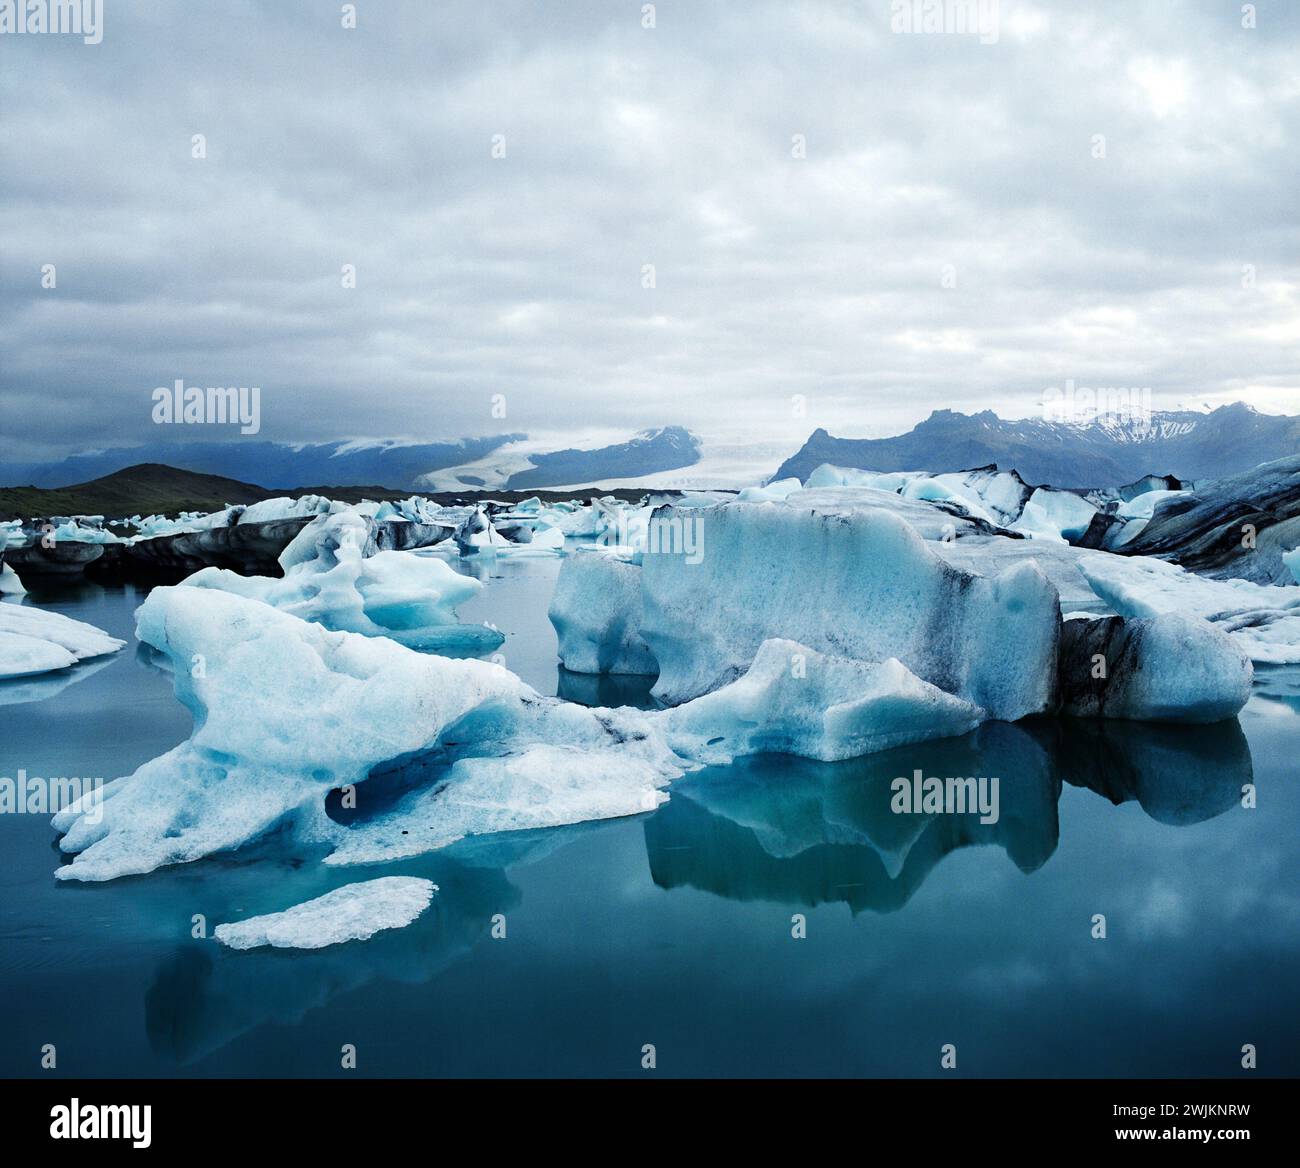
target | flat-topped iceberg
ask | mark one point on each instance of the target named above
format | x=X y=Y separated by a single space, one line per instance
x=849 y=583
x=354 y=912
x=33 y=641
x=334 y=575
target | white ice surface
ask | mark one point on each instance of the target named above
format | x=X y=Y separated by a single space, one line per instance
x=1292 y=560
x=1055 y=515
x=855 y=583
x=34 y=641
x=10 y=584
x=1264 y=619
x=331 y=580
x=596 y=611
x=793 y=700
x=354 y=912
x=286 y=712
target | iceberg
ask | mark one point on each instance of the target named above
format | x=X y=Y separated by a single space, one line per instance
x=433 y=749
x=354 y=912
x=286 y=711
x=1057 y=515
x=284 y=507
x=1167 y=668
x=33 y=641
x=1237 y=527
x=1264 y=619
x=334 y=576
x=596 y=611
x=1292 y=561
x=851 y=583
x=10 y=585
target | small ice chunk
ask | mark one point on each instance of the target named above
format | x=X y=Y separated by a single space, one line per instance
x=354 y=912
x=10 y=585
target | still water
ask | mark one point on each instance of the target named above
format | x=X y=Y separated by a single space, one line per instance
x=676 y=928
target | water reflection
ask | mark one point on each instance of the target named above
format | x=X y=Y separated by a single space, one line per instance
x=18 y=690
x=204 y=996
x=793 y=831
x=770 y=828
x=609 y=690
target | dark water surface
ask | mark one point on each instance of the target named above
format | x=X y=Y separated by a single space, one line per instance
x=674 y=929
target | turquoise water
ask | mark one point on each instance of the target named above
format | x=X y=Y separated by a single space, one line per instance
x=675 y=928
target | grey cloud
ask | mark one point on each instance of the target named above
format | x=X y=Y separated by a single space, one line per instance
x=774 y=275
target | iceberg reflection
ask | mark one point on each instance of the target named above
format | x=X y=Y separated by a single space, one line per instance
x=793 y=831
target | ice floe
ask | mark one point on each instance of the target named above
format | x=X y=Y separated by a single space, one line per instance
x=33 y=641
x=796 y=701
x=1166 y=668
x=354 y=912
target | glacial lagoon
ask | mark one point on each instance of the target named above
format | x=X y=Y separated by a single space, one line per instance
x=565 y=952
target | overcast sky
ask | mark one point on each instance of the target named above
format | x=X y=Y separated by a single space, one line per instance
x=775 y=275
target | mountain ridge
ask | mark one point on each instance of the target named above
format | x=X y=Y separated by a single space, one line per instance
x=1105 y=451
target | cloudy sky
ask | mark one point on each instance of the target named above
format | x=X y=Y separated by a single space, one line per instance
x=929 y=160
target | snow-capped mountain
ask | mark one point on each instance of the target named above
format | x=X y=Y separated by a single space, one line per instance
x=1105 y=451
x=525 y=466
x=499 y=462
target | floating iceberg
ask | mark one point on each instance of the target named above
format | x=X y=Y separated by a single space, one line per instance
x=33 y=641
x=596 y=611
x=334 y=576
x=285 y=508
x=286 y=712
x=1263 y=619
x=10 y=585
x=859 y=584
x=354 y=912
x=1292 y=560
x=1166 y=668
